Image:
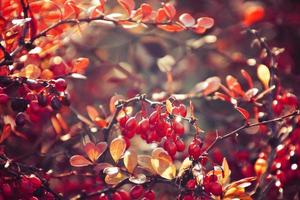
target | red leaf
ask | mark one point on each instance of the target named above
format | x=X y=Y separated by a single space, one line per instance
x=128 y=5
x=234 y=85
x=247 y=78
x=244 y=112
x=161 y=15
x=253 y=14
x=146 y=10
x=5 y=132
x=169 y=10
x=97 y=11
x=80 y=65
x=205 y=22
x=187 y=20
x=222 y=96
x=172 y=28
x=79 y=161
x=70 y=9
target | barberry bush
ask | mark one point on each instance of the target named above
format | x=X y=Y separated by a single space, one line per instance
x=149 y=100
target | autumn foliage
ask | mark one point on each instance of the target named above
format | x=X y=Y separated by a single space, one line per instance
x=148 y=100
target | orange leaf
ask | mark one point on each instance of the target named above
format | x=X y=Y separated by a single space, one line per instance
x=234 y=85
x=79 y=161
x=100 y=122
x=169 y=106
x=92 y=112
x=117 y=148
x=113 y=101
x=95 y=151
x=130 y=160
x=260 y=166
x=56 y=125
x=253 y=14
x=172 y=27
x=80 y=65
x=128 y=5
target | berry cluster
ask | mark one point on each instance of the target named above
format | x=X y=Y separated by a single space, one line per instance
x=136 y=192
x=32 y=100
x=284 y=100
x=156 y=126
x=209 y=186
x=287 y=161
x=25 y=187
x=195 y=148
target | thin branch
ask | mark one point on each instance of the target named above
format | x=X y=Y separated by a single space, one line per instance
x=236 y=131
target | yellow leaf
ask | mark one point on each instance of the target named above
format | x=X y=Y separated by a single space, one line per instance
x=260 y=166
x=164 y=168
x=31 y=71
x=184 y=166
x=226 y=171
x=56 y=125
x=169 y=106
x=117 y=148
x=116 y=179
x=130 y=160
x=92 y=112
x=162 y=154
x=263 y=74
x=145 y=162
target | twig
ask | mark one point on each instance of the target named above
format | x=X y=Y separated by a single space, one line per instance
x=234 y=132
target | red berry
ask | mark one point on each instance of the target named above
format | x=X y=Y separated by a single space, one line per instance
x=3 y=98
x=123 y=120
x=152 y=136
x=194 y=150
x=124 y=194
x=60 y=85
x=136 y=191
x=175 y=111
x=215 y=188
x=188 y=197
x=35 y=181
x=212 y=178
x=182 y=110
x=103 y=197
x=143 y=125
x=6 y=189
x=277 y=107
x=170 y=147
x=290 y=99
x=178 y=128
x=191 y=184
x=128 y=133
x=150 y=195
x=153 y=118
x=131 y=124
x=180 y=145
x=116 y=196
